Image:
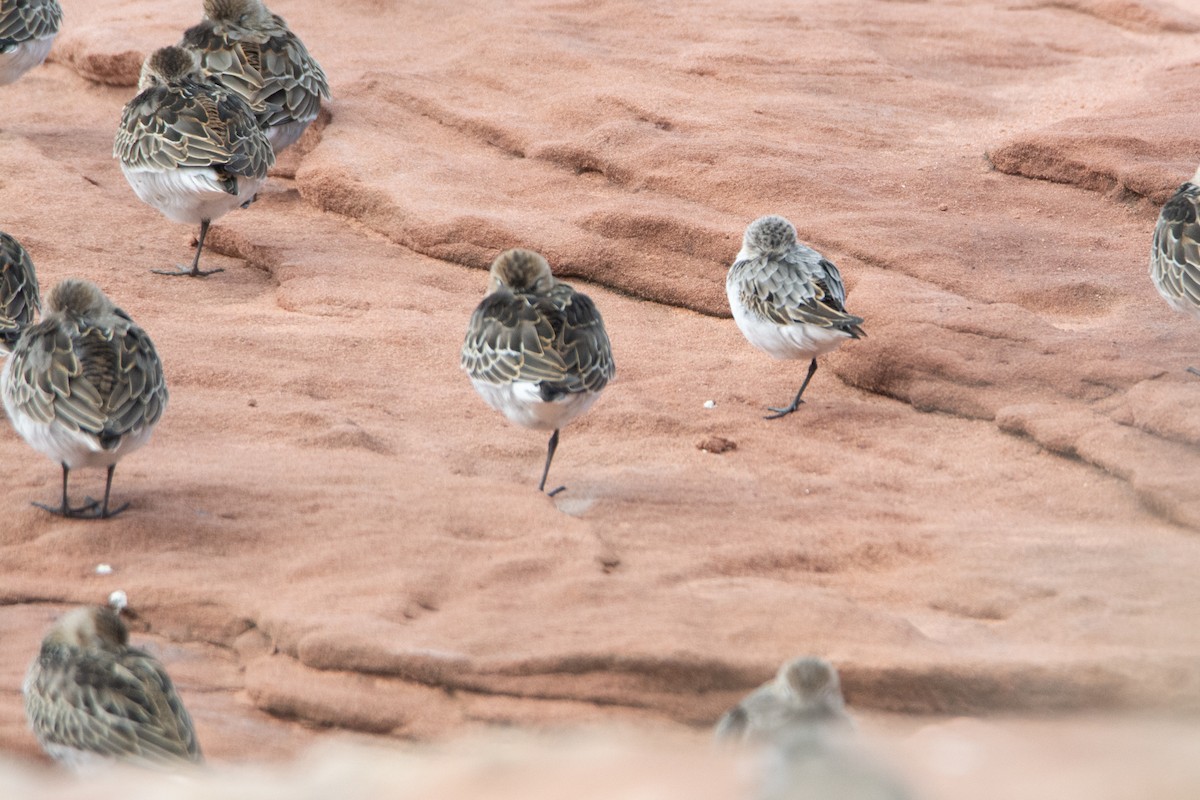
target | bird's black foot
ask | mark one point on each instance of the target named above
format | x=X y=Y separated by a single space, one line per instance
x=193 y=272
x=89 y=510
x=553 y=492
x=1193 y=370
x=782 y=412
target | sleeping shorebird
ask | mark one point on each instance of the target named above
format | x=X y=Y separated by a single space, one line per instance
x=788 y=299
x=189 y=147
x=804 y=695
x=91 y=698
x=20 y=301
x=1175 y=256
x=254 y=54
x=536 y=350
x=84 y=387
x=27 y=30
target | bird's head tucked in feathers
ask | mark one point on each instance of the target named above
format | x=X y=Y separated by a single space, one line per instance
x=81 y=298
x=812 y=681
x=521 y=272
x=770 y=235
x=243 y=13
x=169 y=65
x=90 y=627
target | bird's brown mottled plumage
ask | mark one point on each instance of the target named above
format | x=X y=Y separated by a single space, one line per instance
x=536 y=350
x=22 y=20
x=179 y=119
x=84 y=386
x=253 y=53
x=20 y=301
x=89 y=695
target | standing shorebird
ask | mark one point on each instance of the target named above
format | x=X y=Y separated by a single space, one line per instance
x=20 y=301
x=84 y=387
x=536 y=349
x=805 y=694
x=27 y=30
x=788 y=299
x=254 y=54
x=189 y=147
x=1175 y=256
x=91 y=698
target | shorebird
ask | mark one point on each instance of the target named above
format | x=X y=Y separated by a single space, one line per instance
x=189 y=147
x=536 y=350
x=84 y=387
x=804 y=695
x=20 y=301
x=788 y=299
x=1175 y=256
x=27 y=30
x=91 y=698
x=254 y=54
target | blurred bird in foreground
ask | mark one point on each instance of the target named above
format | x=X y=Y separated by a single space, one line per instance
x=91 y=698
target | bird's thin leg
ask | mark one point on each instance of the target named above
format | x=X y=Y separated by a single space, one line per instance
x=65 y=509
x=104 y=512
x=550 y=448
x=195 y=271
x=1193 y=370
x=783 y=412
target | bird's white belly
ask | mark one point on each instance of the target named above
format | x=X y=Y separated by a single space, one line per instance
x=25 y=56
x=522 y=404
x=189 y=194
x=785 y=341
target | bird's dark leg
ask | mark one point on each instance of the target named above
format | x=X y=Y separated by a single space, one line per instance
x=104 y=512
x=195 y=271
x=65 y=509
x=783 y=412
x=1193 y=370
x=550 y=448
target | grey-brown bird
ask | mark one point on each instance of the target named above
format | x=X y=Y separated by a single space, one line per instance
x=27 y=31
x=788 y=299
x=190 y=148
x=20 y=300
x=91 y=698
x=804 y=695
x=536 y=349
x=1175 y=255
x=85 y=387
x=254 y=54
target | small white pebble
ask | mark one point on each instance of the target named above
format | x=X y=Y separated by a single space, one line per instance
x=118 y=600
x=710 y=403
x=104 y=569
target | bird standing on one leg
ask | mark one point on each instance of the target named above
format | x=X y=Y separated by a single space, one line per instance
x=85 y=387
x=253 y=53
x=536 y=350
x=90 y=697
x=787 y=299
x=1175 y=255
x=189 y=147
x=20 y=300
x=27 y=31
